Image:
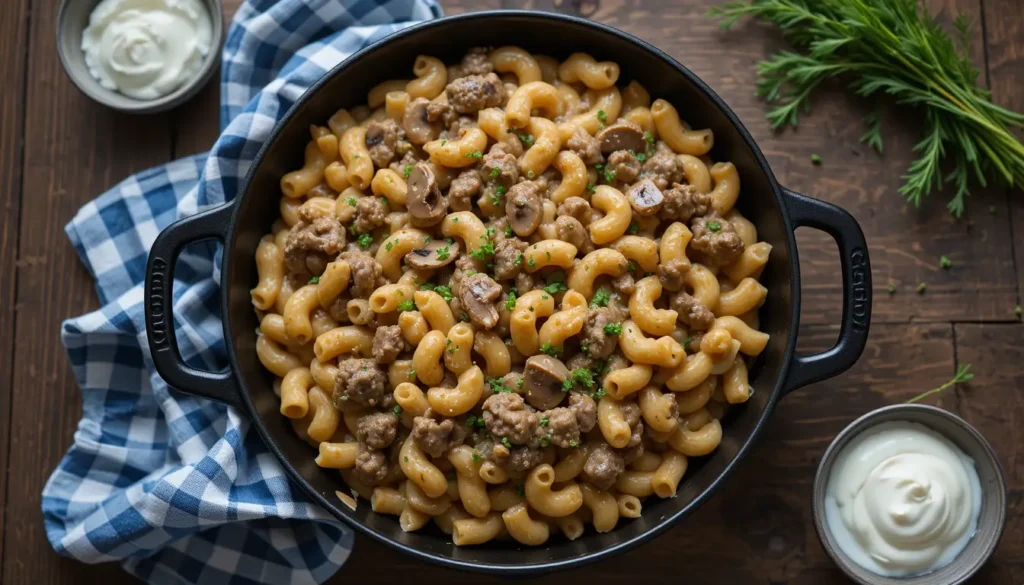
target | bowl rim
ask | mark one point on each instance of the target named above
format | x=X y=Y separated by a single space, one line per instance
x=777 y=391
x=184 y=93
x=867 y=421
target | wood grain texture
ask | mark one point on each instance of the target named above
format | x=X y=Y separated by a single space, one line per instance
x=74 y=149
x=758 y=529
x=992 y=402
x=13 y=57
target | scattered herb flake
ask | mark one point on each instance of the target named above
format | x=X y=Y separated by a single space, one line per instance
x=351 y=201
x=397 y=410
x=407 y=171
x=365 y=241
x=713 y=226
x=892 y=289
x=601 y=298
x=551 y=350
x=506 y=442
x=443 y=253
x=613 y=329
x=510 y=301
x=921 y=288
x=591 y=187
x=815 y=159
x=602 y=116
x=407 y=306
x=314 y=280
x=495 y=173
x=526 y=139
x=584 y=377
x=633 y=228
x=945 y=263
x=475 y=155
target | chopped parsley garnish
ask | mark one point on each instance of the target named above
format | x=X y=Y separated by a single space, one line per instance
x=450 y=240
x=714 y=226
x=649 y=138
x=427 y=239
x=591 y=187
x=600 y=299
x=365 y=241
x=892 y=289
x=384 y=201
x=520 y=490
x=526 y=139
x=545 y=441
x=451 y=346
x=406 y=306
x=407 y=171
x=688 y=341
x=530 y=262
x=314 y=280
x=551 y=350
x=815 y=159
x=519 y=259
x=406 y=458
x=475 y=155
x=495 y=173
x=548 y=254
x=412 y=373
x=633 y=228
x=921 y=288
x=609 y=175
x=351 y=201
x=584 y=377
x=443 y=253
x=574 y=443
x=613 y=328
x=945 y=263
x=489 y=234
x=397 y=410
x=475 y=421
x=483 y=252
x=388 y=245
x=506 y=442
x=639 y=156
x=463 y=317
x=544 y=421
x=476 y=457
x=567 y=385
x=599 y=394
x=497 y=386
x=455 y=220
x=508 y=231
x=603 y=117
x=519 y=382
x=555 y=288
x=444 y=291
x=631 y=266
x=530 y=175
x=444 y=141
x=510 y=301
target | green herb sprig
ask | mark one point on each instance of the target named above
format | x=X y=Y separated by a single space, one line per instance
x=963 y=374
x=893 y=47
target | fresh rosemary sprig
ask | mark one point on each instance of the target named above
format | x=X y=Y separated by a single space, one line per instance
x=894 y=47
x=963 y=374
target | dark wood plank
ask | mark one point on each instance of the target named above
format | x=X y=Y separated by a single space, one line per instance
x=1004 y=22
x=993 y=403
x=759 y=527
x=74 y=150
x=13 y=56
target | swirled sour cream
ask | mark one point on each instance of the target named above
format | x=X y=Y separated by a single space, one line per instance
x=902 y=499
x=146 y=49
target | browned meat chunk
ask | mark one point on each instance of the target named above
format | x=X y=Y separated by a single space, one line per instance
x=408 y=160
x=624 y=166
x=624 y=285
x=561 y=429
x=523 y=459
x=365 y=272
x=387 y=344
x=459 y=124
x=472 y=93
x=571 y=230
x=692 y=312
x=499 y=166
x=477 y=293
x=585 y=146
x=464 y=266
x=631 y=411
x=524 y=208
x=476 y=62
x=683 y=202
x=645 y=198
x=508 y=258
x=370 y=215
x=371 y=467
x=663 y=168
x=525 y=282
x=440 y=111
x=507 y=417
x=381 y=138
x=321 y=190
x=311 y=246
x=377 y=430
x=673 y=274
x=432 y=436
x=603 y=466
x=462 y=190
x=622 y=135
x=360 y=381
x=585 y=409
x=714 y=236
x=599 y=343
x=576 y=207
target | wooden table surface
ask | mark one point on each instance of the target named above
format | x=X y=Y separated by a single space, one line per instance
x=58 y=150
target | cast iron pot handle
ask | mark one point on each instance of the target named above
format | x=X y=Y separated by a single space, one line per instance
x=856 y=269
x=163 y=345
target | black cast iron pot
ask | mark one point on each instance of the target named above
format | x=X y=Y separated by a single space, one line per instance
x=775 y=210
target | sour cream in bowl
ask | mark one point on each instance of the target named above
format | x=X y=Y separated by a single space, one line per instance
x=909 y=494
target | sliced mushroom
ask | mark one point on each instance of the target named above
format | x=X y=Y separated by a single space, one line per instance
x=418 y=128
x=477 y=294
x=524 y=208
x=426 y=205
x=622 y=135
x=645 y=197
x=543 y=377
x=434 y=255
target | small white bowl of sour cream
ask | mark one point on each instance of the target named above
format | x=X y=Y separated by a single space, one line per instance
x=140 y=56
x=909 y=495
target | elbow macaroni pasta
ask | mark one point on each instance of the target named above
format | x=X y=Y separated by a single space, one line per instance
x=386 y=361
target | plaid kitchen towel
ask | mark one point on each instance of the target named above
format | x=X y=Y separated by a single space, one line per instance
x=174 y=487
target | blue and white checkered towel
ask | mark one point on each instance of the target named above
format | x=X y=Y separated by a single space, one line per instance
x=177 y=488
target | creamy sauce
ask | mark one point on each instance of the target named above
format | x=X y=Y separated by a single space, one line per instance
x=902 y=499
x=146 y=49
